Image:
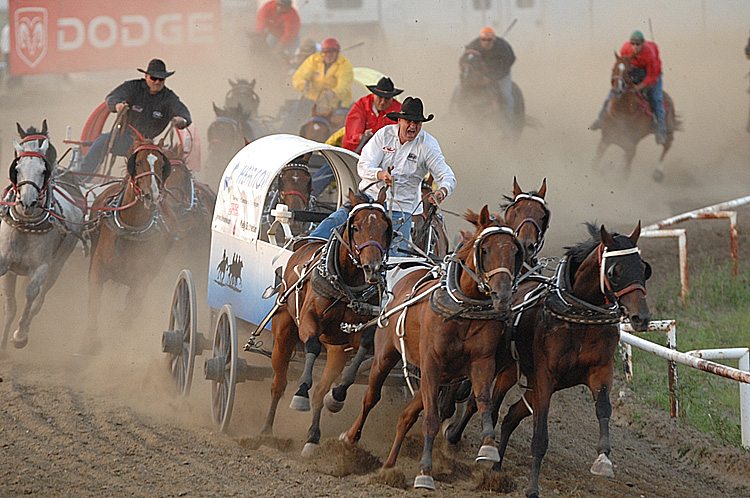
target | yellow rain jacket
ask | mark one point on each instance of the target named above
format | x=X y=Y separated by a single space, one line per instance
x=311 y=78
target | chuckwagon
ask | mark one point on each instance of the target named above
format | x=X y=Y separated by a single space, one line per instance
x=251 y=240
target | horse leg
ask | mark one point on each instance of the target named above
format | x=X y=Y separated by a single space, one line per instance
x=600 y=148
x=33 y=289
x=406 y=421
x=482 y=375
x=335 y=361
x=381 y=367
x=600 y=383
x=307 y=328
x=9 y=286
x=629 y=155
x=334 y=400
x=516 y=413
x=541 y=396
x=285 y=339
x=659 y=171
x=430 y=424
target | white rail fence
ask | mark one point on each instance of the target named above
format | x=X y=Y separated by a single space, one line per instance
x=698 y=359
x=717 y=211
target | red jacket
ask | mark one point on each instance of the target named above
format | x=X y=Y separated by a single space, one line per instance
x=284 y=26
x=362 y=117
x=647 y=59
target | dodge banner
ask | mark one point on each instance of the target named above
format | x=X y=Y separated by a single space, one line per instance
x=56 y=36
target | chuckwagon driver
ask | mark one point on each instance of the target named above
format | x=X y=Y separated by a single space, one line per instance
x=399 y=156
x=151 y=107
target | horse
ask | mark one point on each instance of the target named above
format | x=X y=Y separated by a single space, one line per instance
x=41 y=225
x=190 y=201
x=327 y=116
x=333 y=283
x=447 y=341
x=629 y=118
x=294 y=189
x=31 y=133
x=227 y=134
x=132 y=234
x=567 y=336
x=476 y=97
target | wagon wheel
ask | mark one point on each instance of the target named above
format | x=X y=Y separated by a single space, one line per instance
x=222 y=368
x=180 y=340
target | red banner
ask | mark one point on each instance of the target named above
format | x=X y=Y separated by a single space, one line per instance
x=60 y=36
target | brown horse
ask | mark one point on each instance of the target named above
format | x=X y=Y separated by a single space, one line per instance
x=447 y=344
x=629 y=118
x=191 y=202
x=327 y=116
x=332 y=283
x=294 y=188
x=568 y=336
x=131 y=239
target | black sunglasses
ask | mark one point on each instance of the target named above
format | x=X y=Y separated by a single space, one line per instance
x=153 y=78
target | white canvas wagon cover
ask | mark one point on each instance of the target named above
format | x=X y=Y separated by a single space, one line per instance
x=251 y=172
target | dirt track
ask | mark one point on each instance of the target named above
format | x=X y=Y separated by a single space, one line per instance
x=109 y=425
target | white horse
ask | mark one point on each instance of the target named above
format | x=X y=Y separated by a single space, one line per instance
x=41 y=224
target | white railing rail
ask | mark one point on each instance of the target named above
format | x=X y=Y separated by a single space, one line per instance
x=698 y=359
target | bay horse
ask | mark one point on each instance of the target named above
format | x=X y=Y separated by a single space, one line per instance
x=293 y=187
x=429 y=232
x=476 y=98
x=41 y=224
x=629 y=118
x=567 y=336
x=447 y=342
x=191 y=202
x=333 y=283
x=227 y=134
x=327 y=116
x=133 y=233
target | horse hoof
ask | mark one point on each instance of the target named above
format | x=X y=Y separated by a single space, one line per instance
x=309 y=450
x=424 y=482
x=300 y=403
x=332 y=404
x=658 y=175
x=19 y=343
x=488 y=453
x=602 y=467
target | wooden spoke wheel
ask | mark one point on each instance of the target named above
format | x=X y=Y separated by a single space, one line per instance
x=222 y=368
x=181 y=340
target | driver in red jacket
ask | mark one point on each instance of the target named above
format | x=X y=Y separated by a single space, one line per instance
x=278 y=22
x=369 y=114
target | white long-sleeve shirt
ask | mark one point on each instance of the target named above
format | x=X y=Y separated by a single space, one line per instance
x=410 y=162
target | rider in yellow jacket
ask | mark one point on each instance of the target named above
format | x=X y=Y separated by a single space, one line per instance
x=326 y=70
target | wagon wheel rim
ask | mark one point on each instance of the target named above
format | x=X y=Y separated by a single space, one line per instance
x=182 y=318
x=225 y=345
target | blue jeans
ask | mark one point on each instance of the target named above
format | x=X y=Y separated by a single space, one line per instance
x=321 y=179
x=656 y=99
x=97 y=150
x=401 y=225
x=505 y=89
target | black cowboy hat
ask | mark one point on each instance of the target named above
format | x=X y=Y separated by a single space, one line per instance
x=412 y=109
x=384 y=88
x=157 y=69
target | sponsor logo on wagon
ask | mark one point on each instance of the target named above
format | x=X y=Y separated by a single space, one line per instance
x=30 y=27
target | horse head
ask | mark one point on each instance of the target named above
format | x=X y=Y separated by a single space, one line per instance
x=624 y=75
x=613 y=272
x=527 y=213
x=294 y=185
x=30 y=173
x=242 y=94
x=473 y=71
x=31 y=133
x=148 y=169
x=368 y=233
x=494 y=258
x=227 y=129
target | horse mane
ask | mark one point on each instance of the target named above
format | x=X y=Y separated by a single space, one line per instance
x=579 y=252
x=508 y=200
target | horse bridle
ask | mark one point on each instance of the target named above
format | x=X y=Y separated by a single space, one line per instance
x=47 y=171
x=482 y=276
x=135 y=177
x=610 y=294
x=541 y=230
x=356 y=249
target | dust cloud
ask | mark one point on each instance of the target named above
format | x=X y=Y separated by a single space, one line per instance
x=564 y=57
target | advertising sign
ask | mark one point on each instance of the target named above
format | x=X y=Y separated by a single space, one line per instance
x=57 y=36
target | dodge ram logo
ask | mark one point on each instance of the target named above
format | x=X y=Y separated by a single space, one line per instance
x=30 y=25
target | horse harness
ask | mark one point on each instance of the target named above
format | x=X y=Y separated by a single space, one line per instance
x=540 y=228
